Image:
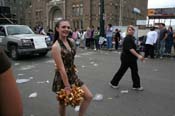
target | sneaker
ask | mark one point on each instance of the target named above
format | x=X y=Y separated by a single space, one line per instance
x=113 y=86
x=138 y=89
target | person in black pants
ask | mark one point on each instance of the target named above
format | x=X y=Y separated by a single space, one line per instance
x=117 y=38
x=128 y=60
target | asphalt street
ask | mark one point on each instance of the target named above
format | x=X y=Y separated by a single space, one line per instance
x=35 y=74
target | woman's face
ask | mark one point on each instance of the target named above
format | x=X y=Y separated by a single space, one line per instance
x=130 y=31
x=63 y=29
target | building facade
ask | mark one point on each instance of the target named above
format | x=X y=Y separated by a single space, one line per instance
x=84 y=13
x=45 y=13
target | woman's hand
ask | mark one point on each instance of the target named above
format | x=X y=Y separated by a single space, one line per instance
x=67 y=89
x=140 y=57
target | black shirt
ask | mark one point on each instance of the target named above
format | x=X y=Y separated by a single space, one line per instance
x=128 y=44
x=117 y=36
x=4 y=62
x=162 y=34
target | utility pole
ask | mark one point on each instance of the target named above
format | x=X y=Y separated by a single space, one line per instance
x=102 y=22
x=120 y=13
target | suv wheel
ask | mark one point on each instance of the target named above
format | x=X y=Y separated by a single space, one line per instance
x=14 y=52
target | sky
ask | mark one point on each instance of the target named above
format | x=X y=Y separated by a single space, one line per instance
x=161 y=3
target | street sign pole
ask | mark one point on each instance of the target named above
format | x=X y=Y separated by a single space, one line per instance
x=102 y=17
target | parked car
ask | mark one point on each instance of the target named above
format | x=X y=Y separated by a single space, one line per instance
x=18 y=40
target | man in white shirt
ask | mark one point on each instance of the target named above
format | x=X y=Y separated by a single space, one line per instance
x=151 y=39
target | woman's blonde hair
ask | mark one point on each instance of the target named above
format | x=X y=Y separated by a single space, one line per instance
x=130 y=26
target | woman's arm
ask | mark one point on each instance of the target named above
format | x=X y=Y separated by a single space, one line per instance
x=140 y=57
x=56 y=54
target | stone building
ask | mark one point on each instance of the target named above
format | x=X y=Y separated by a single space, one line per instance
x=17 y=10
x=84 y=13
x=45 y=13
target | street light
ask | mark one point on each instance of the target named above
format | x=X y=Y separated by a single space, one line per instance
x=136 y=12
x=102 y=22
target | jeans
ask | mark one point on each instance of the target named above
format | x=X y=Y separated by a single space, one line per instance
x=168 y=46
x=109 y=42
x=162 y=47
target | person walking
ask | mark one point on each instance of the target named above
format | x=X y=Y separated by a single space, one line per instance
x=63 y=52
x=10 y=99
x=128 y=60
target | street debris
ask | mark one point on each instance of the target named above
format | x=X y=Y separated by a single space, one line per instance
x=98 y=97
x=27 y=67
x=95 y=64
x=33 y=95
x=124 y=91
x=83 y=66
x=20 y=74
x=19 y=81
x=30 y=78
x=77 y=108
x=42 y=82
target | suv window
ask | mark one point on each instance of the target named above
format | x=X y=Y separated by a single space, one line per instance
x=2 y=31
x=14 y=30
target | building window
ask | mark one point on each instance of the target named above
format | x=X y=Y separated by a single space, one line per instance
x=81 y=9
x=73 y=10
x=77 y=11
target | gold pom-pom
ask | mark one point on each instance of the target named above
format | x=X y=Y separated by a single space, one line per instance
x=74 y=98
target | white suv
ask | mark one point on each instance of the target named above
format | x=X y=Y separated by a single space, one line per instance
x=20 y=40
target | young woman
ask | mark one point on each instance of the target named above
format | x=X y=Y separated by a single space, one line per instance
x=128 y=60
x=63 y=52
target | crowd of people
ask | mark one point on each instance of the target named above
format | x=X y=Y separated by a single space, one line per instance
x=159 y=42
x=90 y=38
